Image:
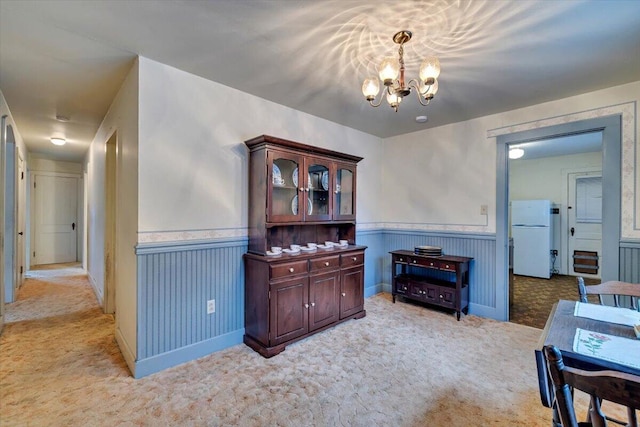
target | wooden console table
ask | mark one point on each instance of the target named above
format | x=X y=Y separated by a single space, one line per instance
x=441 y=281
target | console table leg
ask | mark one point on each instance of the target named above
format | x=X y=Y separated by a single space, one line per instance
x=458 y=315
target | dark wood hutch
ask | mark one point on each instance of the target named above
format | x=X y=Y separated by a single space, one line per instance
x=300 y=194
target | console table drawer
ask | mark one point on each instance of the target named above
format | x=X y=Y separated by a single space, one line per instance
x=288 y=269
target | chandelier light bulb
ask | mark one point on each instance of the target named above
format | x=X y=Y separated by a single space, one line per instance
x=370 y=88
x=429 y=69
x=389 y=70
x=429 y=91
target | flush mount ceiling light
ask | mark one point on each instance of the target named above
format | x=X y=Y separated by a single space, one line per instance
x=516 y=153
x=58 y=141
x=391 y=72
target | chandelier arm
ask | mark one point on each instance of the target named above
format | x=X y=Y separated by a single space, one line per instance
x=413 y=83
x=372 y=102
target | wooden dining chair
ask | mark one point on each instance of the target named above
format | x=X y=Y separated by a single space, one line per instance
x=613 y=288
x=613 y=386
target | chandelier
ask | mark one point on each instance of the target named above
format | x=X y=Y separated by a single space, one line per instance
x=391 y=72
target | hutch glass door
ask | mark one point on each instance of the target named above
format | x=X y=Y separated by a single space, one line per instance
x=283 y=200
x=345 y=195
x=318 y=188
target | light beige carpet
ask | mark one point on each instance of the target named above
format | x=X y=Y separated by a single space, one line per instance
x=402 y=365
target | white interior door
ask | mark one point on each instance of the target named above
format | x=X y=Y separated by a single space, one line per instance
x=584 y=215
x=56 y=200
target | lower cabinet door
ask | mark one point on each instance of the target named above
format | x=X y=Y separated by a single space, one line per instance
x=289 y=310
x=324 y=299
x=351 y=291
x=448 y=297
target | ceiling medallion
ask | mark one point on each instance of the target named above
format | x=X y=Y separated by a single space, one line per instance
x=391 y=72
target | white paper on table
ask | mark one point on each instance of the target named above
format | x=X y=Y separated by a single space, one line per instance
x=624 y=351
x=605 y=313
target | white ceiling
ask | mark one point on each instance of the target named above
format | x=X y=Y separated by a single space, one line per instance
x=70 y=57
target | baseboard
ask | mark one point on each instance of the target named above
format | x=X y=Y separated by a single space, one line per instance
x=181 y=355
x=485 y=311
x=96 y=291
x=128 y=355
x=376 y=289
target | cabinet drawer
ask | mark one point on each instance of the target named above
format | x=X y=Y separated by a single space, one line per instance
x=294 y=268
x=429 y=263
x=401 y=259
x=325 y=263
x=349 y=260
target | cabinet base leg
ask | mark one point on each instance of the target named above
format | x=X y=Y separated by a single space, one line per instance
x=458 y=315
x=393 y=298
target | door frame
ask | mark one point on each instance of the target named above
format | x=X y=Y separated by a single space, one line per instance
x=3 y=122
x=611 y=129
x=20 y=220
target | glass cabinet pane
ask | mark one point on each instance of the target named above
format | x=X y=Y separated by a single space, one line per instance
x=319 y=189
x=284 y=182
x=344 y=192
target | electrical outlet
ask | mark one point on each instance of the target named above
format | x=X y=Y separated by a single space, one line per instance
x=484 y=209
x=211 y=306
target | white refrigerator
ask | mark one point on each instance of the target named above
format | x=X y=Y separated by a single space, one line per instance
x=531 y=230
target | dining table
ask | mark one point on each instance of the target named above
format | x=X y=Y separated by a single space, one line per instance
x=564 y=329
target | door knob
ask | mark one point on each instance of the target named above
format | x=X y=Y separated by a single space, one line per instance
x=20 y=233
x=573 y=230
x=73 y=226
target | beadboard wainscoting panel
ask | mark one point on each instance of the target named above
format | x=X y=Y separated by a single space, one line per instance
x=480 y=247
x=373 y=261
x=630 y=262
x=175 y=282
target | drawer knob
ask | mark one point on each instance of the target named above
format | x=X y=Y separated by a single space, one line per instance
x=291 y=270
x=326 y=264
x=446 y=266
x=414 y=261
x=430 y=263
x=405 y=288
x=401 y=259
x=441 y=296
x=344 y=294
x=354 y=258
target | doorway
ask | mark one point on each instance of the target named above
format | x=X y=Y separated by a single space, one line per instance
x=544 y=177
x=610 y=127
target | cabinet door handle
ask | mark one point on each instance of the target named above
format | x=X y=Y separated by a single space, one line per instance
x=441 y=296
x=291 y=270
x=415 y=262
x=306 y=305
x=446 y=266
x=301 y=189
x=306 y=189
x=344 y=294
x=401 y=259
x=326 y=264
x=336 y=191
x=431 y=264
x=354 y=258
x=313 y=304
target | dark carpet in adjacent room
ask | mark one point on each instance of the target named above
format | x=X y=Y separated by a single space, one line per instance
x=533 y=297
